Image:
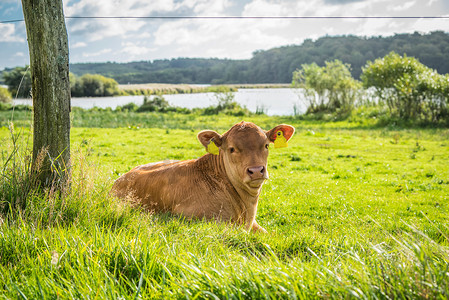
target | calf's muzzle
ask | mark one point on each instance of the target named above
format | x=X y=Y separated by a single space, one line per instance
x=256 y=172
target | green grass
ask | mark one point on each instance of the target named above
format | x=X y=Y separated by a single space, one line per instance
x=351 y=211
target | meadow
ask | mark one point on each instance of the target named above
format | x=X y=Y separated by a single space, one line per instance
x=352 y=211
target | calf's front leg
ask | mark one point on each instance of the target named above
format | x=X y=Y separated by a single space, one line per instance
x=257 y=228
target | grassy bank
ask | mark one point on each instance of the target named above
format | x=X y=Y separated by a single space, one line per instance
x=352 y=212
x=165 y=88
x=195 y=119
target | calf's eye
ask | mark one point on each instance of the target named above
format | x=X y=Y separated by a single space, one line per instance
x=266 y=146
x=232 y=150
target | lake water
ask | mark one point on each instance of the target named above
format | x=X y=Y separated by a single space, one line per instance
x=273 y=101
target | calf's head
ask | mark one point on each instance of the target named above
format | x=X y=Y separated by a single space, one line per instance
x=244 y=149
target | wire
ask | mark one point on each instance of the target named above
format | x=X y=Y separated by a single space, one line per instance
x=263 y=17
x=244 y=17
x=11 y=21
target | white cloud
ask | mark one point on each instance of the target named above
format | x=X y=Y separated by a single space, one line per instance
x=263 y=8
x=133 y=8
x=239 y=38
x=176 y=32
x=223 y=38
x=131 y=39
x=98 y=53
x=98 y=29
x=19 y=54
x=78 y=45
x=8 y=33
x=427 y=25
x=135 y=50
x=205 y=7
x=402 y=7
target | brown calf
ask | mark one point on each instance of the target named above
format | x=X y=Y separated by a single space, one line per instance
x=224 y=184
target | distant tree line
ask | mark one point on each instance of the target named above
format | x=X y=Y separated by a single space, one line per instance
x=18 y=81
x=278 y=64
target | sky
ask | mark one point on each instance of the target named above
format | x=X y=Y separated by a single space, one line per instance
x=124 y=40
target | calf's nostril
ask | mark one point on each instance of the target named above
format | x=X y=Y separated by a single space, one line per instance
x=256 y=172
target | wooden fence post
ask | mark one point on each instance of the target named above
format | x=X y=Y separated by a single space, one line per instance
x=49 y=62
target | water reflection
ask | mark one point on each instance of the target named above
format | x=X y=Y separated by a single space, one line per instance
x=272 y=101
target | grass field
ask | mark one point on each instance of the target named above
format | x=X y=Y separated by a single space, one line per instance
x=352 y=212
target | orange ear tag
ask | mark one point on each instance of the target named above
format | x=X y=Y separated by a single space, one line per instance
x=212 y=148
x=280 y=141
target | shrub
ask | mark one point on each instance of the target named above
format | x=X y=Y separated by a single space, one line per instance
x=226 y=105
x=158 y=103
x=19 y=107
x=5 y=106
x=19 y=81
x=5 y=95
x=128 y=107
x=328 y=89
x=93 y=85
x=411 y=90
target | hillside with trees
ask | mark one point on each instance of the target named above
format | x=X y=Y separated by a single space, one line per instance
x=277 y=65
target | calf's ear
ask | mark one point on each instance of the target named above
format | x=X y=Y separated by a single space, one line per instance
x=280 y=134
x=211 y=140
